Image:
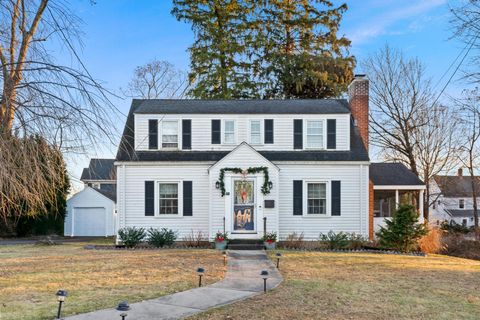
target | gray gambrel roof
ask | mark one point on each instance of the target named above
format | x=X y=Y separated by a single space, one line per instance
x=99 y=169
x=191 y=106
x=393 y=174
x=127 y=152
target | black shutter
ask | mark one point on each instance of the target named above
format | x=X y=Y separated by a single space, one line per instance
x=187 y=198
x=216 y=131
x=336 y=198
x=268 y=124
x=186 y=134
x=152 y=134
x=297 y=197
x=298 y=134
x=149 y=198
x=331 y=134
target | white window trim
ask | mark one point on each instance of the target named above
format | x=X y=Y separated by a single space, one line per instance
x=157 y=199
x=234 y=132
x=328 y=212
x=305 y=134
x=262 y=132
x=160 y=136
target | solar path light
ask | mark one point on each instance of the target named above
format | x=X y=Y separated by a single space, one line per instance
x=264 y=275
x=61 y=295
x=200 y=272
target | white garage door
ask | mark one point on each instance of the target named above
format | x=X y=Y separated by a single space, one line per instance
x=89 y=221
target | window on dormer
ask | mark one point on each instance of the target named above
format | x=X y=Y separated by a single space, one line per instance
x=229 y=132
x=169 y=134
x=315 y=134
x=255 y=132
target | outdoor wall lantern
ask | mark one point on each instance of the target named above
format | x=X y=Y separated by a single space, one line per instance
x=217 y=184
x=224 y=258
x=264 y=275
x=270 y=185
x=279 y=256
x=61 y=295
x=200 y=272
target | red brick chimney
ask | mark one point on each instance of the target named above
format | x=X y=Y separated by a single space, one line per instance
x=460 y=172
x=358 y=95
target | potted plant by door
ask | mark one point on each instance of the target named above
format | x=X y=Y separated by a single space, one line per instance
x=269 y=240
x=221 y=240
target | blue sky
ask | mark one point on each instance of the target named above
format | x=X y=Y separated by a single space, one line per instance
x=122 y=34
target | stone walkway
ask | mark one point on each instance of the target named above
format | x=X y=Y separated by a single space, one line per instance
x=242 y=280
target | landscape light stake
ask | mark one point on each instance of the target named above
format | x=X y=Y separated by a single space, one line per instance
x=200 y=272
x=264 y=275
x=224 y=258
x=61 y=295
x=123 y=315
x=279 y=256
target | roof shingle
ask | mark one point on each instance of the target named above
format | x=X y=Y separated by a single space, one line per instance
x=393 y=174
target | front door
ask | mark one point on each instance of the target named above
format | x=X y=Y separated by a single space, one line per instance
x=244 y=206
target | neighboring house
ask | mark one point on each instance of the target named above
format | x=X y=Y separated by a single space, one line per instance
x=91 y=212
x=453 y=199
x=247 y=166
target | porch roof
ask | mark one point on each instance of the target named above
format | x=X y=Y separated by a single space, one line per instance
x=394 y=176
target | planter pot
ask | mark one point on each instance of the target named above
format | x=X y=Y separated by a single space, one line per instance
x=269 y=245
x=220 y=245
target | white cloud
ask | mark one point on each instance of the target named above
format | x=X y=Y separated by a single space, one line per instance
x=379 y=24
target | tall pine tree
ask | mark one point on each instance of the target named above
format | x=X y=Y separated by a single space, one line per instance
x=303 y=53
x=270 y=48
x=220 y=68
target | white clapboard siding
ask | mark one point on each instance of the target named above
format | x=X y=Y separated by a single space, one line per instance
x=131 y=189
x=201 y=129
x=243 y=157
x=354 y=199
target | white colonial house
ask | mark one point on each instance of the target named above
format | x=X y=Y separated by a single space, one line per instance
x=247 y=166
x=452 y=199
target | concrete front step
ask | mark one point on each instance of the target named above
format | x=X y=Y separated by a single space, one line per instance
x=240 y=246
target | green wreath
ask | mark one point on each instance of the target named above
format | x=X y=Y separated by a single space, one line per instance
x=251 y=170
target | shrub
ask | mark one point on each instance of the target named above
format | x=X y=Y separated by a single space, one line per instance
x=270 y=237
x=161 y=237
x=195 y=239
x=294 y=241
x=402 y=231
x=335 y=240
x=131 y=236
x=432 y=242
x=455 y=227
x=356 y=241
x=456 y=245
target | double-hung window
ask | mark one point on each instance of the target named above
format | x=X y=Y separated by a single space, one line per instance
x=170 y=134
x=316 y=198
x=168 y=198
x=315 y=135
x=461 y=204
x=229 y=132
x=255 y=132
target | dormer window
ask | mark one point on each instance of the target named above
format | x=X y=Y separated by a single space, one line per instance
x=229 y=132
x=315 y=134
x=170 y=134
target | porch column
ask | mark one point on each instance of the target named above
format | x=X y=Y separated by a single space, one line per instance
x=420 y=203
x=397 y=199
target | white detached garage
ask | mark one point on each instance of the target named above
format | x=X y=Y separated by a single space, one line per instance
x=90 y=213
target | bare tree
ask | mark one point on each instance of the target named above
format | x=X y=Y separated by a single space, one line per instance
x=157 y=79
x=466 y=23
x=470 y=146
x=62 y=104
x=405 y=124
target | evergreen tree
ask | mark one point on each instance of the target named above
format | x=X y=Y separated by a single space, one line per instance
x=302 y=51
x=220 y=68
x=402 y=231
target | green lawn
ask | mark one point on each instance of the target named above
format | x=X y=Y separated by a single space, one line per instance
x=30 y=275
x=365 y=286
